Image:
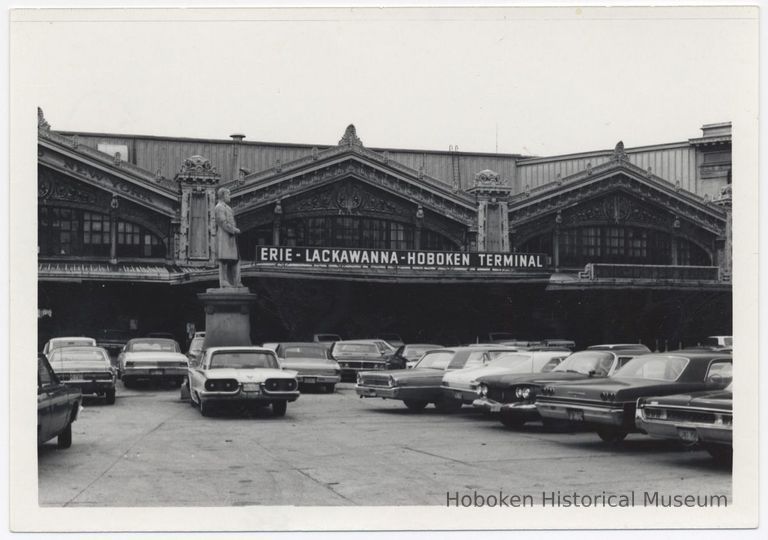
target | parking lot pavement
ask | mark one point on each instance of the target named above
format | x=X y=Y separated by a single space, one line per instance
x=152 y=449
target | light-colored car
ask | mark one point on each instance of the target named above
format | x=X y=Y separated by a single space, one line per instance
x=249 y=375
x=311 y=362
x=152 y=359
x=57 y=406
x=718 y=341
x=88 y=369
x=462 y=386
x=79 y=341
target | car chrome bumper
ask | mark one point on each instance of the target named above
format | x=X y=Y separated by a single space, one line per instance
x=416 y=393
x=521 y=409
x=486 y=404
x=613 y=416
x=155 y=373
x=318 y=379
x=708 y=433
x=465 y=395
x=91 y=387
x=240 y=395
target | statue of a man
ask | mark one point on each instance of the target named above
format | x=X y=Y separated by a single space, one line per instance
x=226 y=242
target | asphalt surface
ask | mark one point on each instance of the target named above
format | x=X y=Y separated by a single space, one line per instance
x=152 y=449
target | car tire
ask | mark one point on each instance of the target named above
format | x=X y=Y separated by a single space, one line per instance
x=64 y=439
x=330 y=388
x=110 y=396
x=279 y=408
x=205 y=408
x=720 y=453
x=448 y=405
x=415 y=405
x=612 y=436
x=512 y=420
x=127 y=382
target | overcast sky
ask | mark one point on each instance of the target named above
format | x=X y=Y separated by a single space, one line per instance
x=538 y=83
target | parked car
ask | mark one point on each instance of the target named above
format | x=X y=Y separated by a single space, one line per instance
x=161 y=335
x=152 y=359
x=623 y=347
x=361 y=354
x=406 y=356
x=247 y=375
x=718 y=341
x=608 y=405
x=57 y=406
x=195 y=347
x=514 y=396
x=500 y=336
x=112 y=341
x=326 y=338
x=393 y=340
x=564 y=343
x=704 y=417
x=421 y=385
x=57 y=342
x=311 y=362
x=88 y=369
x=462 y=385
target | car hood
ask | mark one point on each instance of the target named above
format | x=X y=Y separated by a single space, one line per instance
x=309 y=363
x=708 y=399
x=71 y=366
x=625 y=389
x=416 y=376
x=249 y=375
x=504 y=380
x=154 y=356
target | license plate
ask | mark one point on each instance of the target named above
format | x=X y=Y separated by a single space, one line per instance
x=575 y=415
x=156 y=372
x=457 y=395
x=309 y=380
x=250 y=387
x=688 y=434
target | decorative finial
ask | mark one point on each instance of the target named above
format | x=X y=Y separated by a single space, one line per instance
x=115 y=202
x=350 y=137
x=589 y=168
x=41 y=121
x=559 y=217
x=385 y=155
x=315 y=152
x=278 y=208
x=118 y=159
x=676 y=223
x=419 y=212
x=559 y=179
x=678 y=187
x=649 y=171
x=618 y=152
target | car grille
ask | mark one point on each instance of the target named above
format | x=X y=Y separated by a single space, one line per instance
x=362 y=365
x=321 y=372
x=497 y=394
x=674 y=415
x=280 y=385
x=376 y=380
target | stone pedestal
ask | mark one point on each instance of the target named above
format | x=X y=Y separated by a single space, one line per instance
x=227 y=316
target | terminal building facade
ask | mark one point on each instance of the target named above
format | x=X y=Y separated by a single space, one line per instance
x=625 y=244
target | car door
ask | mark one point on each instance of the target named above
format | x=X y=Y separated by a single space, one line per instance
x=57 y=397
x=197 y=373
x=43 y=402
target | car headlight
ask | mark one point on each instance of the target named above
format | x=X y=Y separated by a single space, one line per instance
x=359 y=379
x=391 y=381
x=483 y=390
x=526 y=393
x=518 y=392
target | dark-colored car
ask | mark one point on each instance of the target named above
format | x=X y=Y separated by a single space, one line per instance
x=360 y=354
x=623 y=347
x=88 y=369
x=312 y=363
x=407 y=355
x=421 y=385
x=514 y=396
x=57 y=406
x=704 y=417
x=112 y=341
x=393 y=339
x=608 y=405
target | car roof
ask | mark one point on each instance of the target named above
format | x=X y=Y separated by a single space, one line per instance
x=80 y=348
x=239 y=348
x=365 y=341
x=70 y=338
x=150 y=338
x=315 y=344
x=617 y=346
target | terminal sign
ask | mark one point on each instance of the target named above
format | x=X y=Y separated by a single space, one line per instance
x=313 y=256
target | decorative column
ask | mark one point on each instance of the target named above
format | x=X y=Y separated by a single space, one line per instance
x=492 y=211
x=419 y=226
x=276 y=223
x=675 y=241
x=556 y=241
x=114 y=204
x=198 y=181
x=725 y=201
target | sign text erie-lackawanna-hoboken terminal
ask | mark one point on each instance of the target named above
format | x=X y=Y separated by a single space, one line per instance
x=411 y=258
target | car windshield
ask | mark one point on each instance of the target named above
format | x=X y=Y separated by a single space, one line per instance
x=243 y=360
x=414 y=351
x=514 y=362
x=355 y=348
x=302 y=351
x=153 y=345
x=197 y=344
x=587 y=361
x=79 y=354
x=74 y=342
x=436 y=360
x=655 y=367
